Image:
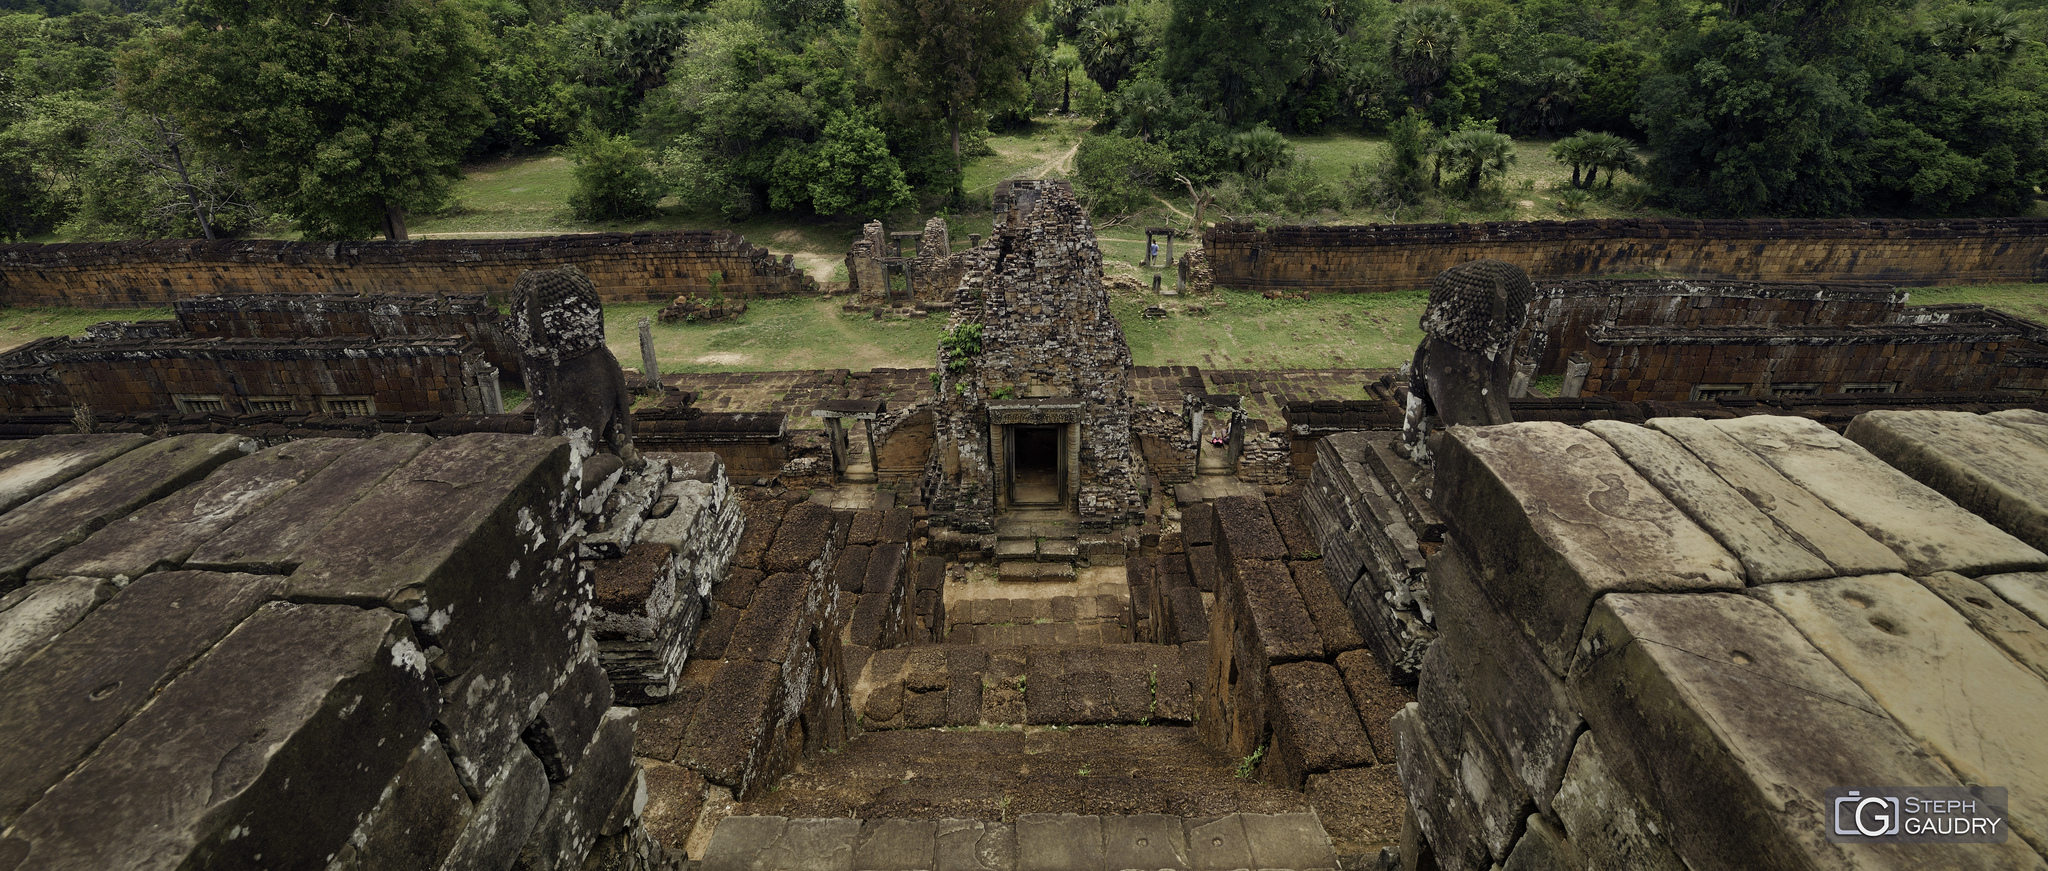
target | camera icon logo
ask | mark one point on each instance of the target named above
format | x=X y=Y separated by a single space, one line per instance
x=1871 y=816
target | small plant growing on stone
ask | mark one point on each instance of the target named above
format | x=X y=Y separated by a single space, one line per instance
x=1246 y=765
x=84 y=419
x=1002 y=393
x=960 y=343
x=1086 y=770
x=717 y=292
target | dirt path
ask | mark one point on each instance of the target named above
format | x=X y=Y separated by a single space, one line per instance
x=1063 y=164
x=1174 y=209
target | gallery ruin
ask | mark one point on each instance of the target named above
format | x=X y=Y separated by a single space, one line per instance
x=300 y=592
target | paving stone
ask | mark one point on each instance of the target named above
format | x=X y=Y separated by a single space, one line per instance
x=974 y=845
x=1059 y=842
x=419 y=821
x=1543 y=847
x=2020 y=636
x=1293 y=841
x=739 y=842
x=340 y=697
x=1436 y=803
x=1926 y=529
x=1218 y=844
x=1801 y=514
x=1605 y=820
x=896 y=845
x=1949 y=687
x=1315 y=728
x=30 y=467
x=1524 y=708
x=1556 y=519
x=1768 y=553
x=581 y=808
x=2027 y=591
x=503 y=819
x=162 y=534
x=1244 y=531
x=268 y=541
x=1053 y=550
x=1147 y=841
x=1993 y=471
x=812 y=845
x=1332 y=619
x=65 y=515
x=866 y=527
x=65 y=701
x=38 y=614
x=1674 y=679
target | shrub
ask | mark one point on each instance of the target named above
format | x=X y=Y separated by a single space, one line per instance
x=613 y=179
x=1118 y=173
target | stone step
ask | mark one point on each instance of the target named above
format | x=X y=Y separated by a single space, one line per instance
x=925 y=686
x=1051 y=842
x=1047 y=634
x=1036 y=526
x=1000 y=775
x=1034 y=571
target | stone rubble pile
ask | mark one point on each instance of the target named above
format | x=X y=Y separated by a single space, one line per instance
x=1369 y=508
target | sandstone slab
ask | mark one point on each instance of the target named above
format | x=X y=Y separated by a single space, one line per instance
x=1947 y=686
x=65 y=515
x=294 y=724
x=30 y=467
x=582 y=808
x=1555 y=519
x=1608 y=824
x=61 y=704
x=1315 y=727
x=162 y=534
x=1768 y=554
x=1802 y=515
x=423 y=814
x=1926 y=529
x=1436 y=801
x=269 y=541
x=37 y=614
x=502 y=819
x=2027 y=591
x=1993 y=471
x=1675 y=682
x=2022 y=637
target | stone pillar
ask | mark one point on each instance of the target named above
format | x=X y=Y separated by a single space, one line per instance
x=1169 y=245
x=648 y=367
x=1518 y=384
x=1575 y=369
x=494 y=395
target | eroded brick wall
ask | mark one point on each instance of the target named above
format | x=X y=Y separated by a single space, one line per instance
x=1565 y=312
x=1399 y=257
x=625 y=267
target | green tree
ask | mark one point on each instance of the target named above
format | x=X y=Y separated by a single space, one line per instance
x=851 y=172
x=1425 y=42
x=1142 y=105
x=948 y=58
x=1979 y=30
x=346 y=114
x=1112 y=43
x=1118 y=173
x=1573 y=151
x=1259 y=151
x=1478 y=153
x=1239 y=58
x=614 y=181
x=1611 y=153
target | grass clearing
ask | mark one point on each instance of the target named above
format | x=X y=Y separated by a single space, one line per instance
x=777 y=334
x=1242 y=330
x=19 y=326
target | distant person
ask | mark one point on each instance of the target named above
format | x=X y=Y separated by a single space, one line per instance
x=1151 y=251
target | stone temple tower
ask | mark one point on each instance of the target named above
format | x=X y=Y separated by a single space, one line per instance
x=1032 y=410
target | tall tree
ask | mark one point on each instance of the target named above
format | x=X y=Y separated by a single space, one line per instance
x=1425 y=42
x=948 y=57
x=1239 y=57
x=346 y=114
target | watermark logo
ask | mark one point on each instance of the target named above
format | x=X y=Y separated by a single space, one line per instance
x=1916 y=815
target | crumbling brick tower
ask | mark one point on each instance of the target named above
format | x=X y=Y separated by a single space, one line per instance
x=1032 y=409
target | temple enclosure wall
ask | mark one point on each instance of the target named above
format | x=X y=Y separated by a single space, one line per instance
x=626 y=267
x=1399 y=257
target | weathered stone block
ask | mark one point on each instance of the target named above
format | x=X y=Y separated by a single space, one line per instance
x=1294 y=841
x=1058 y=842
x=419 y=821
x=1315 y=727
x=1607 y=822
x=1435 y=801
x=1556 y=519
x=269 y=541
x=1801 y=514
x=35 y=615
x=772 y=630
x=1767 y=552
x=1543 y=847
x=569 y=721
x=64 y=702
x=2021 y=637
x=895 y=845
x=1950 y=688
x=851 y=569
x=1926 y=529
x=1202 y=567
x=1521 y=705
x=1674 y=680
x=503 y=819
x=1245 y=531
x=2027 y=591
x=579 y=808
x=1332 y=619
x=675 y=798
x=1994 y=471
x=726 y=739
x=803 y=541
x=64 y=516
x=974 y=845
x=1376 y=698
x=1280 y=625
x=1198 y=524
x=296 y=721
x=30 y=467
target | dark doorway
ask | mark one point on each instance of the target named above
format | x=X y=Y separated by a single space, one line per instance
x=1035 y=455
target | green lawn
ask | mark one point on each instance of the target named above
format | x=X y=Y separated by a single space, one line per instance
x=19 y=326
x=774 y=335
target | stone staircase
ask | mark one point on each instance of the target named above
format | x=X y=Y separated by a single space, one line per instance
x=1041 y=842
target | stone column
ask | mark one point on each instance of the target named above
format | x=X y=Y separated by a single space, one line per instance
x=494 y=395
x=1575 y=369
x=1518 y=384
x=648 y=367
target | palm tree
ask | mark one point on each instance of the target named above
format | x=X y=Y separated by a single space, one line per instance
x=1259 y=151
x=1557 y=87
x=1111 y=43
x=1609 y=152
x=1477 y=153
x=1572 y=151
x=1143 y=103
x=1979 y=30
x=1425 y=37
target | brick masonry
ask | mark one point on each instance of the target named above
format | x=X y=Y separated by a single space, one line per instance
x=1400 y=257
